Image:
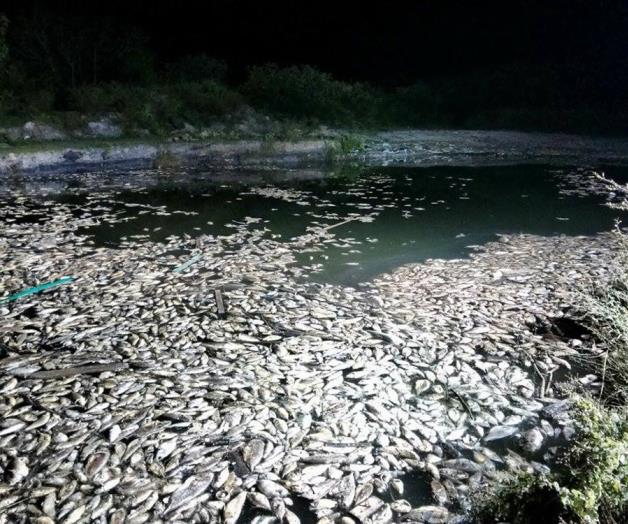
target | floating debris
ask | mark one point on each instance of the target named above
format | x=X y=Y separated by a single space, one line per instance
x=130 y=397
x=37 y=289
x=186 y=265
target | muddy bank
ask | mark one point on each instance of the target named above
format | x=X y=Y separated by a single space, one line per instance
x=411 y=147
x=245 y=153
x=384 y=402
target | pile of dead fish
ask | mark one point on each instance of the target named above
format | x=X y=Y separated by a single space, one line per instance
x=584 y=182
x=124 y=397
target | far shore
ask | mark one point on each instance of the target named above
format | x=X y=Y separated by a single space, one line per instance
x=398 y=147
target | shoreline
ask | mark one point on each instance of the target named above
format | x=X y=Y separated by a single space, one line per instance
x=241 y=153
x=401 y=147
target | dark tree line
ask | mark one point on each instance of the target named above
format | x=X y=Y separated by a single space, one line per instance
x=73 y=63
x=56 y=54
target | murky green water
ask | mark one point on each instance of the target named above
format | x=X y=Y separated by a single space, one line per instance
x=381 y=217
x=417 y=213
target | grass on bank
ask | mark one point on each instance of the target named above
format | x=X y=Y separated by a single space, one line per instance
x=589 y=479
x=588 y=483
x=604 y=311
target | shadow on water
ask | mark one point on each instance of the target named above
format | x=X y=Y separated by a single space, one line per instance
x=417 y=489
x=301 y=508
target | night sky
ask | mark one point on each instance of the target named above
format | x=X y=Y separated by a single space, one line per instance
x=388 y=43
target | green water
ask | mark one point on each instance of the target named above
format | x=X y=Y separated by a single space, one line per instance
x=418 y=213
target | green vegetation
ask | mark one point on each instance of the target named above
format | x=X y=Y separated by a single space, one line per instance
x=305 y=93
x=338 y=150
x=350 y=144
x=69 y=70
x=588 y=484
x=605 y=312
x=158 y=108
x=589 y=480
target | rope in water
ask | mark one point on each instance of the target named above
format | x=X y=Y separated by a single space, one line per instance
x=36 y=289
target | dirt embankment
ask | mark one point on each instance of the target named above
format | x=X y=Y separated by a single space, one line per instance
x=244 y=153
x=408 y=147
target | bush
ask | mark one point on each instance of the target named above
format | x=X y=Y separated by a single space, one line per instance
x=207 y=99
x=348 y=144
x=595 y=478
x=304 y=92
x=602 y=307
x=607 y=318
x=161 y=107
x=588 y=483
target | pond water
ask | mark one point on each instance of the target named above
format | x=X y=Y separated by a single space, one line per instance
x=411 y=214
x=380 y=218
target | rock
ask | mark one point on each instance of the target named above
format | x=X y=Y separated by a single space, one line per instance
x=40 y=131
x=105 y=128
x=532 y=440
x=557 y=411
x=72 y=156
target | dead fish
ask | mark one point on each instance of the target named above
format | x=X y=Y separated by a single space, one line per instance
x=397 y=487
x=75 y=515
x=188 y=491
x=271 y=489
x=500 y=432
x=166 y=448
x=462 y=464
x=117 y=517
x=253 y=453
x=96 y=462
x=363 y=492
x=114 y=433
x=400 y=506
x=232 y=510
x=260 y=501
x=346 y=488
x=18 y=471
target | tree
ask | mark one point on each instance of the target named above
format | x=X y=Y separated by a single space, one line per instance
x=4 y=46
x=74 y=50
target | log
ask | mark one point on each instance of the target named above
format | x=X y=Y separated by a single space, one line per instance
x=220 y=304
x=79 y=370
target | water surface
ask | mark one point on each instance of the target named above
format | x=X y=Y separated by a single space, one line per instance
x=414 y=213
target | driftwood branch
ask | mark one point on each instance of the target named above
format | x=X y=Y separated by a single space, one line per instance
x=220 y=303
x=79 y=370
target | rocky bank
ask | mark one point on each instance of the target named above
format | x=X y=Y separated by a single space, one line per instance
x=408 y=147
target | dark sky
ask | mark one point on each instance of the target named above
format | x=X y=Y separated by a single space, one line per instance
x=387 y=42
